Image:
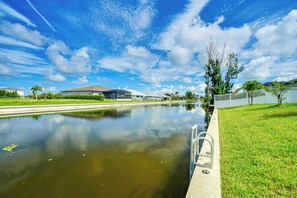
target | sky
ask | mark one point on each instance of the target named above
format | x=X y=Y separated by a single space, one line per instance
x=152 y=46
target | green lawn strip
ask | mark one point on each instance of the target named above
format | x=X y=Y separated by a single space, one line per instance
x=26 y=101
x=259 y=151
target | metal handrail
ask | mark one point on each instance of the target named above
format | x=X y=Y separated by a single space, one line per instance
x=206 y=133
x=195 y=154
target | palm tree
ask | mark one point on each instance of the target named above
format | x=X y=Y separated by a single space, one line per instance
x=35 y=90
x=250 y=86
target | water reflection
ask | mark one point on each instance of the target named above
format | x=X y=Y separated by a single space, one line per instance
x=124 y=152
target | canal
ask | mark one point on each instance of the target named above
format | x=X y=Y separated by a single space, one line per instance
x=122 y=152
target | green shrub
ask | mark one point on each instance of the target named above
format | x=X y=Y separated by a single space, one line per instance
x=86 y=97
x=8 y=94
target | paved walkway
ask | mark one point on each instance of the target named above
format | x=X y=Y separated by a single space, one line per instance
x=8 y=111
x=208 y=185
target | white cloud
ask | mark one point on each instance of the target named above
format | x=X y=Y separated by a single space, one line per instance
x=22 y=33
x=67 y=61
x=140 y=52
x=187 y=80
x=278 y=39
x=81 y=80
x=22 y=58
x=188 y=35
x=56 y=77
x=133 y=59
x=23 y=62
x=5 y=69
x=10 y=41
x=259 y=68
x=274 y=53
x=44 y=19
x=5 y=9
x=103 y=79
x=120 y=23
x=180 y=55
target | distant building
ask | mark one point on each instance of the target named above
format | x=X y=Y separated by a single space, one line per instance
x=19 y=91
x=117 y=94
x=156 y=97
x=135 y=95
x=92 y=90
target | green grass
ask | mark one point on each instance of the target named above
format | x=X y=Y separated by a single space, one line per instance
x=28 y=101
x=259 y=151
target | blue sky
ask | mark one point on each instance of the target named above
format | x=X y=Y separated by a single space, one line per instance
x=144 y=45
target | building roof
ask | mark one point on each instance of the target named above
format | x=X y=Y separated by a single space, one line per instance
x=9 y=88
x=88 y=89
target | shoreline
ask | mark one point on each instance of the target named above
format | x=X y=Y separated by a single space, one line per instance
x=13 y=111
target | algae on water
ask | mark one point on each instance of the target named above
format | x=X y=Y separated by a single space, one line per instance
x=10 y=147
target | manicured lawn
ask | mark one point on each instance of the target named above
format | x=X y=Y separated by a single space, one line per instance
x=26 y=101
x=259 y=151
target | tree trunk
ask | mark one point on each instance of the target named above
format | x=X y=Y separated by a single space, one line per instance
x=252 y=98
x=36 y=96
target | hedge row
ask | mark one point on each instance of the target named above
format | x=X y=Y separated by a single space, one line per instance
x=86 y=97
x=8 y=94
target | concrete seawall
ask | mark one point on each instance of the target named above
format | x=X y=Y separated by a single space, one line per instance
x=10 y=111
x=208 y=185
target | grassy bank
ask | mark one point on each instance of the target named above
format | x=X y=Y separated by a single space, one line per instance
x=259 y=151
x=28 y=101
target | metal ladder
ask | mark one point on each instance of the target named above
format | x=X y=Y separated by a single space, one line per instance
x=196 y=153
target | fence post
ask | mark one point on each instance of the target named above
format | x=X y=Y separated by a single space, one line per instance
x=229 y=100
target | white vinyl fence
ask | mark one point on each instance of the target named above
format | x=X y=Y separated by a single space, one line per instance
x=260 y=97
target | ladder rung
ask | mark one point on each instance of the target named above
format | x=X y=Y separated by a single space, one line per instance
x=204 y=155
x=206 y=165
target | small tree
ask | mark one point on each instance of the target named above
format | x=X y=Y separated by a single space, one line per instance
x=190 y=96
x=35 y=90
x=250 y=86
x=279 y=89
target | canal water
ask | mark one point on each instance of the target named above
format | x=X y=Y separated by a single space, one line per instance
x=123 y=152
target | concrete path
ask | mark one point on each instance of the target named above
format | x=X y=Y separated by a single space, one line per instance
x=208 y=185
x=9 y=111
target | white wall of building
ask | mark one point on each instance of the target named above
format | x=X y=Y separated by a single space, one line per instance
x=19 y=91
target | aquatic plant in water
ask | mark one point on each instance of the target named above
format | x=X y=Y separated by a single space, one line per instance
x=10 y=147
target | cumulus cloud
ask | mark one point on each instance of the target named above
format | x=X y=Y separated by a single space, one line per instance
x=6 y=10
x=81 y=80
x=180 y=55
x=22 y=33
x=189 y=31
x=68 y=61
x=133 y=59
x=274 y=53
x=56 y=77
x=278 y=39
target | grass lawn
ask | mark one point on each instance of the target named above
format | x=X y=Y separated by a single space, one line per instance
x=259 y=151
x=27 y=101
